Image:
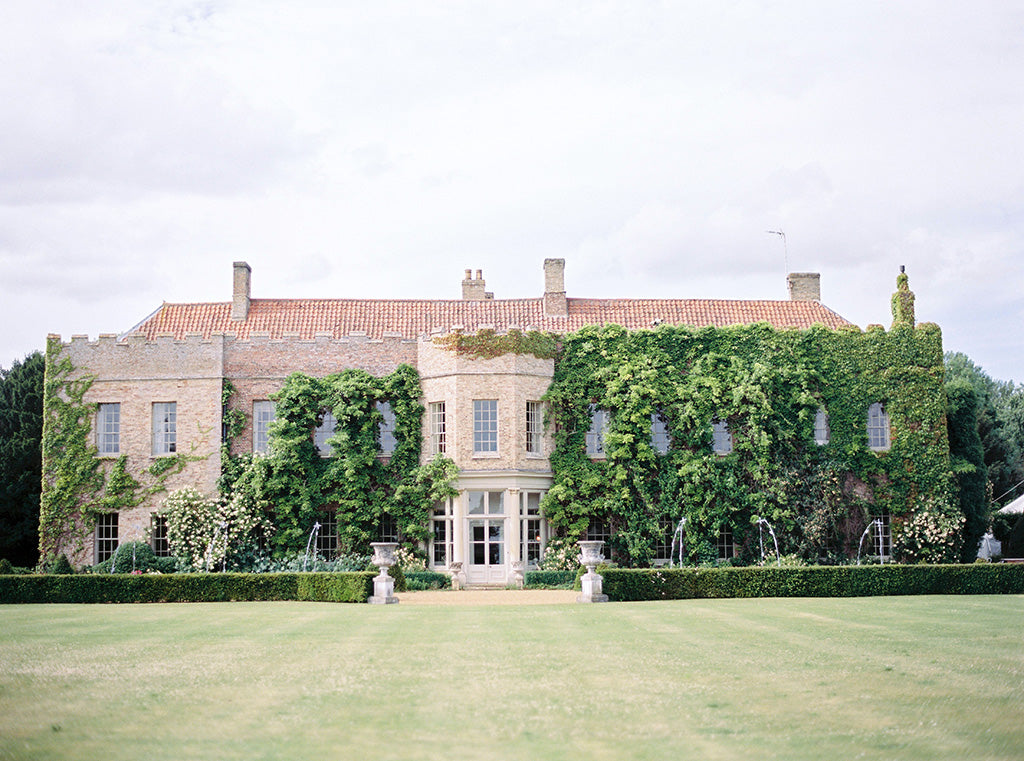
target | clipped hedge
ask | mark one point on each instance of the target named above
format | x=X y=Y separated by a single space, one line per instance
x=187 y=587
x=549 y=579
x=420 y=580
x=624 y=584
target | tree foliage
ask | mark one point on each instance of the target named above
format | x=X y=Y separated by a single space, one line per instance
x=21 y=430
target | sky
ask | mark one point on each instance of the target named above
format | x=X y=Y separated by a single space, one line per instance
x=377 y=150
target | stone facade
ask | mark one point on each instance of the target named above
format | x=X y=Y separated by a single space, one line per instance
x=185 y=353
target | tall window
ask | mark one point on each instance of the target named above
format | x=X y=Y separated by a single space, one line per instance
x=595 y=436
x=165 y=428
x=323 y=432
x=878 y=427
x=532 y=529
x=663 y=540
x=158 y=536
x=327 y=537
x=721 y=437
x=821 y=429
x=485 y=425
x=599 y=530
x=725 y=545
x=881 y=540
x=262 y=416
x=108 y=428
x=534 y=421
x=438 y=428
x=105 y=542
x=441 y=540
x=659 y=433
x=387 y=428
x=388 y=528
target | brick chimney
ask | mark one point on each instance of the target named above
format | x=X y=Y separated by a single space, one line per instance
x=804 y=286
x=241 y=291
x=555 y=304
x=475 y=289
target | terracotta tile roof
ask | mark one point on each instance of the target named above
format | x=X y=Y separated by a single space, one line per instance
x=414 y=318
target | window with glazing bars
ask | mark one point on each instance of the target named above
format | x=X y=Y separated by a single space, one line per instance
x=165 y=428
x=534 y=422
x=108 y=428
x=387 y=428
x=105 y=542
x=438 y=426
x=262 y=416
x=485 y=425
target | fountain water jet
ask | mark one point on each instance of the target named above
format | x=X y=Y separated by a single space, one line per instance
x=680 y=534
x=877 y=522
x=312 y=535
x=760 y=537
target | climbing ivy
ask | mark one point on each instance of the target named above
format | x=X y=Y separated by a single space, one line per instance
x=295 y=484
x=77 y=484
x=767 y=384
x=488 y=344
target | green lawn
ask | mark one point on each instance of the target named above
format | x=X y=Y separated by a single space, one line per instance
x=870 y=678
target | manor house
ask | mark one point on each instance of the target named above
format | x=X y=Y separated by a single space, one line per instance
x=157 y=391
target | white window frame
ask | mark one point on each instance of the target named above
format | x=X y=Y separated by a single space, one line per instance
x=878 y=428
x=264 y=413
x=721 y=437
x=108 y=428
x=327 y=536
x=386 y=439
x=442 y=538
x=533 y=529
x=661 y=440
x=664 y=540
x=595 y=435
x=105 y=536
x=324 y=431
x=822 y=432
x=485 y=427
x=534 y=428
x=438 y=428
x=165 y=428
x=158 y=536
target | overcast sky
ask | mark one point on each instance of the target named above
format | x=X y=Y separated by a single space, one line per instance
x=378 y=149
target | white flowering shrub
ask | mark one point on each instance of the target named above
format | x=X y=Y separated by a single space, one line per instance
x=928 y=536
x=203 y=531
x=560 y=555
x=407 y=560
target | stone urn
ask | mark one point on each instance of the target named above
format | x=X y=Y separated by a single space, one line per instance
x=590 y=556
x=518 y=574
x=383 y=584
x=457 y=574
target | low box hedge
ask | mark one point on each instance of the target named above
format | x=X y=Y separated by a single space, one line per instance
x=549 y=579
x=186 y=587
x=624 y=584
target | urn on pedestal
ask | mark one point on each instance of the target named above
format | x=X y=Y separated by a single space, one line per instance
x=383 y=584
x=591 y=580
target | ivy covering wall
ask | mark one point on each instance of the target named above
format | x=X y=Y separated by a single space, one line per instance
x=768 y=385
x=295 y=484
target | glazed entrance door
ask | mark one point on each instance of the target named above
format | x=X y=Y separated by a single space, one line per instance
x=486 y=524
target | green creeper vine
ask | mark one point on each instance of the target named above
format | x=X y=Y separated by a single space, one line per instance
x=767 y=384
x=295 y=484
x=487 y=344
x=77 y=484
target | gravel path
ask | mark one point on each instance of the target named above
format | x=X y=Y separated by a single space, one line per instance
x=489 y=597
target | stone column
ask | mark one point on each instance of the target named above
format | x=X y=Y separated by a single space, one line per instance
x=513 y=543
x=459 y=528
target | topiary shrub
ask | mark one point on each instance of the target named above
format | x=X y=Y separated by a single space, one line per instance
x=61 y=565
x=5 y=567
x=134 y=557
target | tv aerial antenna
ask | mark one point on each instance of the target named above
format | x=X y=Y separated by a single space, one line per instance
x=785 y=247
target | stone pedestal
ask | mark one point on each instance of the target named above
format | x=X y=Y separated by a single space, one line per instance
x=591 y=581
x=383 y=584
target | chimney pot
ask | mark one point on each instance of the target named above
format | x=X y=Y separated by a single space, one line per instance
x=474 y=290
